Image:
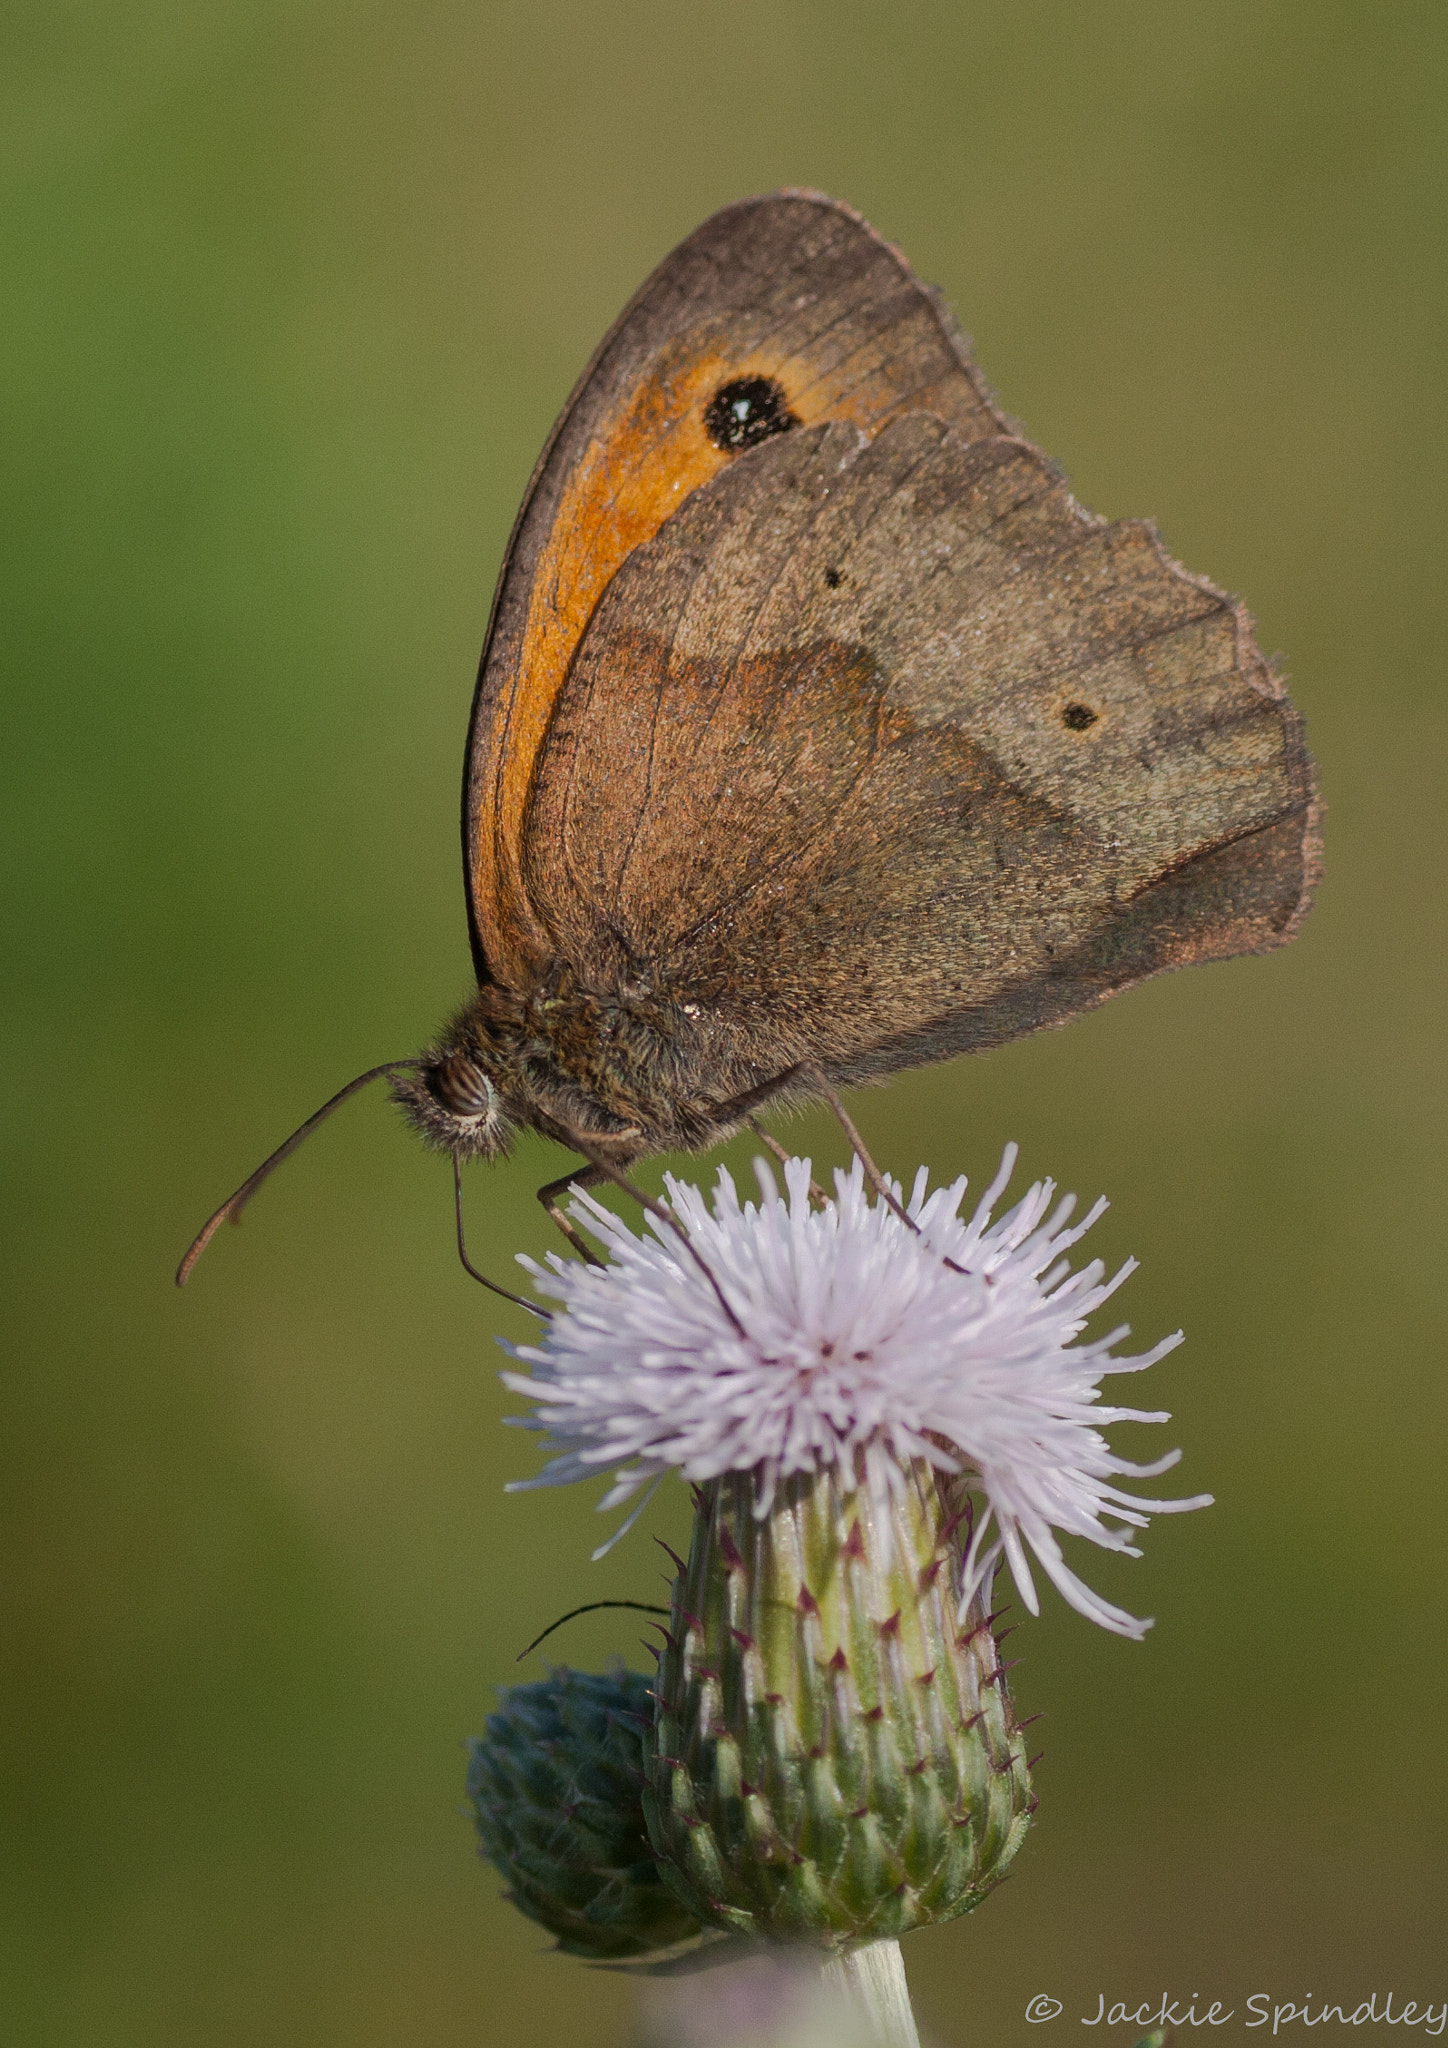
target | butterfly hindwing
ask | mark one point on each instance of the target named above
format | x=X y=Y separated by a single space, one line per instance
x=883 y=749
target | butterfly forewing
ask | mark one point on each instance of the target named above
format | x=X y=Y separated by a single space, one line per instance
x=794 y=291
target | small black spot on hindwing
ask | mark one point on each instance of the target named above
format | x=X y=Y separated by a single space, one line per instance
x=834 y=578
x=747 y=411
x=1076 y=717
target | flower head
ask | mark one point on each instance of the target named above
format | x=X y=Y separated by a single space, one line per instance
x=866 y=1343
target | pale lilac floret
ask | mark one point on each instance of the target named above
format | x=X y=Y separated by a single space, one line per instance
x=861 y=1348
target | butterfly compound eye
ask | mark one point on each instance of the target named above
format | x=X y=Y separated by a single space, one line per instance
x=460 y=1087
x=746 y=411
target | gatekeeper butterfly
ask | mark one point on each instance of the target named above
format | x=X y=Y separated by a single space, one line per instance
x=820 y=733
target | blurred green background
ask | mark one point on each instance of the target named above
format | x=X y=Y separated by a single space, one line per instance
x=293 y=292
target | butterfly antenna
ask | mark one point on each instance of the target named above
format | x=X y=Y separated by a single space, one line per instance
x=231 y=1208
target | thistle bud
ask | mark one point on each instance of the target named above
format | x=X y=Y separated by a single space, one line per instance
x=555 y=1786
x=835 y=1759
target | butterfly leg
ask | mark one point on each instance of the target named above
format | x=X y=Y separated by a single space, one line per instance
x=814 y=1074
x=817 y=1195
x=857 y=1145
x=603 y=1168
x=551 y=1197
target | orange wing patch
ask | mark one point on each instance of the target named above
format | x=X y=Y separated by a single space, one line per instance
x=630 y=479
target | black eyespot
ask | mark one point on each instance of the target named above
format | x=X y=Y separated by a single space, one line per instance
x=1076 y=717
x=834 y=578
x=747 y=411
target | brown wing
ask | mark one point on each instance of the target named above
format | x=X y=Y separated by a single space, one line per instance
x=794 y=289
x=882 y=749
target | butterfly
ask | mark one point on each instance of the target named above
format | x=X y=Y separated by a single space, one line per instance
x=820 y=733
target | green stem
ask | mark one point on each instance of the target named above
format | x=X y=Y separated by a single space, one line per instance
x=873 y=1979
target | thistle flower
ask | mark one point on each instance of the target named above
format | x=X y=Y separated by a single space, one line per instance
x=866 y=1346
x=876 y=1411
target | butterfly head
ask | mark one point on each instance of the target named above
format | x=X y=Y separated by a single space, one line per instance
x=452 y=1103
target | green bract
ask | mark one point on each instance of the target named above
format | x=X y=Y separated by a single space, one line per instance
x=836 y=1759
x=555 y=1789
